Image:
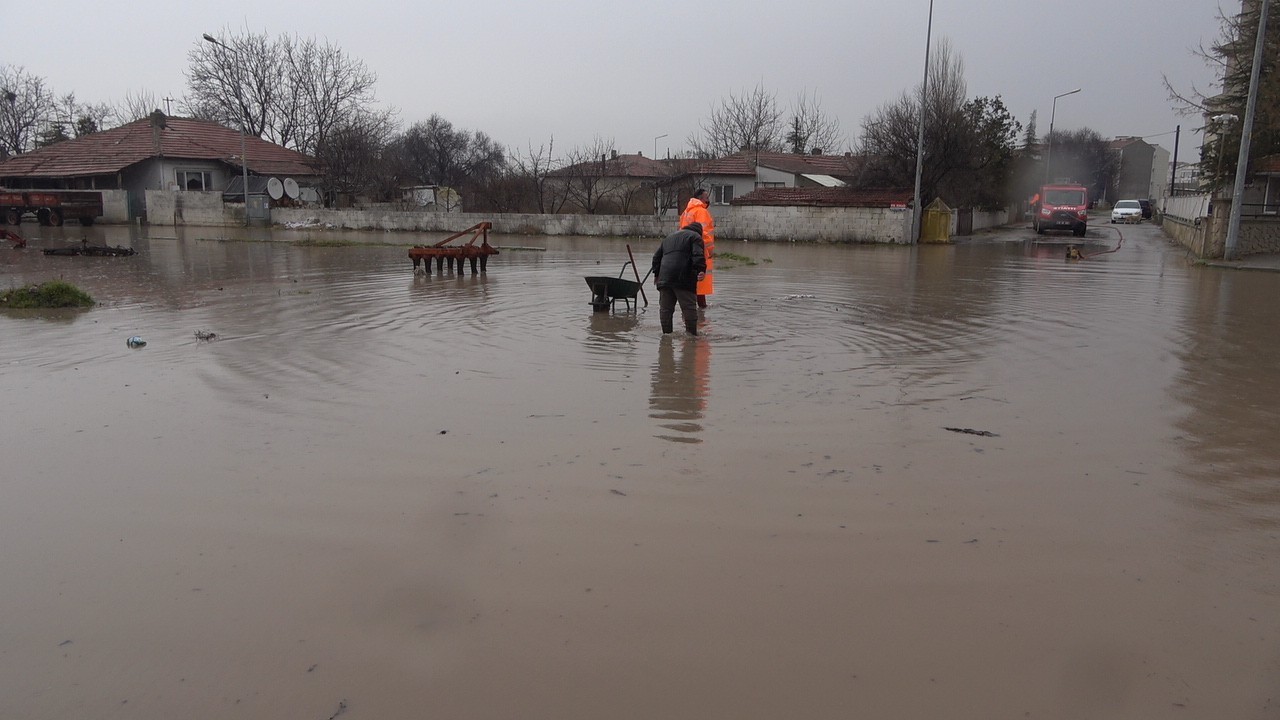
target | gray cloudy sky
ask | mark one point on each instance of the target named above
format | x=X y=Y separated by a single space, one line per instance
x=524 y=71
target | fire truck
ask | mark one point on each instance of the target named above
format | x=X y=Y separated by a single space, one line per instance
x=1062 y=207
x=50 y=207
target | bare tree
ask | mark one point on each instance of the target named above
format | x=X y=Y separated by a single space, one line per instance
x=355 y=160
x=135 y=105
x=1231 y=59
x=750 y=121
x=586 y=177
x=291 y=91
x=234 y=80
x=812 y=130
x=534 y=168
x=26 y=106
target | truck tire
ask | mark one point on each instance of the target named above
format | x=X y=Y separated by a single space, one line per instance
x=42 y=216
x=55 y=218
x=13 y=216
x=1079 y=231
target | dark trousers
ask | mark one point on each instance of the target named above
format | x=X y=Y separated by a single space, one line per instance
x=688 y=299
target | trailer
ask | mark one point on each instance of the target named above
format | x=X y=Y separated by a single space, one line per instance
x=50 y=207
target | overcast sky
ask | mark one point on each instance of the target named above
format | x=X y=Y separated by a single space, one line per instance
x=526 y=71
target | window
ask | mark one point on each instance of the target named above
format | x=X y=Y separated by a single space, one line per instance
x=770 y=184
x=195 y=180
x=721 y=194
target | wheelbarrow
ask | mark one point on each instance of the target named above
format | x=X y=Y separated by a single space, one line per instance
x=607 y=290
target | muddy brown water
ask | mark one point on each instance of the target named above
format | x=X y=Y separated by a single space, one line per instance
x=400 y=496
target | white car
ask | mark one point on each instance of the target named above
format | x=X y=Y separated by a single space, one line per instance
x=1126 y=211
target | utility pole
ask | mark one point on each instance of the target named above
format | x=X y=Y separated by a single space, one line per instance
x=1246 y=137
x=924 y=94
x=1173 y=170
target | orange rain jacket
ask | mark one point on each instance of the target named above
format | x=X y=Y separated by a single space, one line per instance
x=696 y=211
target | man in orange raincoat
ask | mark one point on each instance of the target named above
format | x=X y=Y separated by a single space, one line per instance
x=696 y=212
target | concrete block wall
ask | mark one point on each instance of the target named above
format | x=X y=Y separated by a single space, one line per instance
x=160 y=205
x=800 y=224
x=505 y=223
x=187 y=207
x=115 y=206
x=816 y=224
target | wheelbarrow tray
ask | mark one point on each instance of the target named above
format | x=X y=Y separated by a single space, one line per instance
x=605 y=290
x=614 y=287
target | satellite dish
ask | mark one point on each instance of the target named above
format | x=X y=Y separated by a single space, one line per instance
x=291 y=188
x=275 y=188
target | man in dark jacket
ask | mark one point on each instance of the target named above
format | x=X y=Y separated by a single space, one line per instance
x=678 y=265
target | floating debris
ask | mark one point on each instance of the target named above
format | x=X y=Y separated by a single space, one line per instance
x=971 y=431
x=135 y=341
x=205 y=335
x=84 y=248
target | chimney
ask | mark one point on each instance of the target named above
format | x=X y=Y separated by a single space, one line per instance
x=614 y=155
x=158 y=123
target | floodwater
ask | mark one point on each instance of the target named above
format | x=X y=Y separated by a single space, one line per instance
x=387 y=495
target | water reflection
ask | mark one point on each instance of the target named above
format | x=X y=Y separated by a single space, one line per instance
x=681 y=378
x=1233 y=402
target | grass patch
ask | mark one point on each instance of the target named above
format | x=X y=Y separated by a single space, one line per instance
x=52 y=294
x=726 y=260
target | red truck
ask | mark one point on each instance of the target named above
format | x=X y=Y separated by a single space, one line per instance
x=51 y=207
x=1062 y=207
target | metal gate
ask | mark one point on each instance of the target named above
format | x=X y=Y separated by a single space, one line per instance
x=964 y=221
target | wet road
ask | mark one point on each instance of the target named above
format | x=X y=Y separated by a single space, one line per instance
x=472 y=497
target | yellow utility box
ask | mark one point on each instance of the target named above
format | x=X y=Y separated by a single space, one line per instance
x=935 y=226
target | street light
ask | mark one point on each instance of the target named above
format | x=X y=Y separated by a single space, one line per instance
x=1048 y=153
x=244 y=158
x=655 y=145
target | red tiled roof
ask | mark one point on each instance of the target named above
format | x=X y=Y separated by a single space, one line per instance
x=827 y=197
x=744 y=163
x=631 y=166
x=1268 y=164
x=113 y=150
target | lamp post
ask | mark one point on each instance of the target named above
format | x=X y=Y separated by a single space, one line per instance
x=924 y=93
x=655 y=144
x=244 y=158
x=1048 y=153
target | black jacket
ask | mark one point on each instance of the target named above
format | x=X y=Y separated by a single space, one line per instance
x=678 y=260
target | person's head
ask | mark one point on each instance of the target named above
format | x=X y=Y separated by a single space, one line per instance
x=694 y=227
x=701 y=194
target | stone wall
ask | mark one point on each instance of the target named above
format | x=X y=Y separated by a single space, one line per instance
x=1206 y=237
x=1192 y=235
x=1260 y=234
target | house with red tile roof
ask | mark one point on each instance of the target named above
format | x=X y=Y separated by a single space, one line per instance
x=617 y=184
x=822 y=214
x=736 y=175
x=157 y=153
